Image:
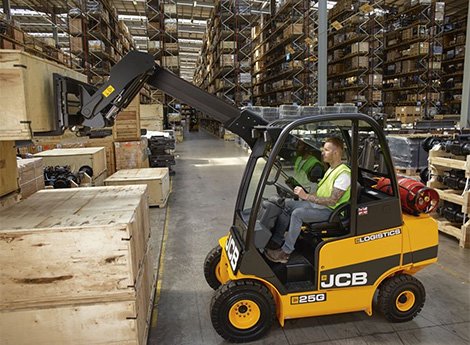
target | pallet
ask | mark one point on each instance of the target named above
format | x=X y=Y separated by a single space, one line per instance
x=462 y=233
x=440 y=161
x=409 y=172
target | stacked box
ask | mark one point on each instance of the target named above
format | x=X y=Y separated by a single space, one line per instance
x=31 y=176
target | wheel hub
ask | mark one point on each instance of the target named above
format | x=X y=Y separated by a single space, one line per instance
x=405 y=301
x=244 y=314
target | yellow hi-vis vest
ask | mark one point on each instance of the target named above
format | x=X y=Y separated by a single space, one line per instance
x=325 y=186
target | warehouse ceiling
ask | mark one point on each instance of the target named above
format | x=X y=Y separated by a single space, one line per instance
x=35 y=17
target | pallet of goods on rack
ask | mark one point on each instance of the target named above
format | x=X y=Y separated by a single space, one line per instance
x=413 y=57
x=452 y=64
x=284 y=63
x=450 y=175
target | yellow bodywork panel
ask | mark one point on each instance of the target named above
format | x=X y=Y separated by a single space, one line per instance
x=350 y=269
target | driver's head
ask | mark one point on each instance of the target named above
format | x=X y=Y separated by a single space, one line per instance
x=332 y=150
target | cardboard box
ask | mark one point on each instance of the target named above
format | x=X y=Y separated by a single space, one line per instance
x=360 y=47
x=75 y=26
x=359 y=62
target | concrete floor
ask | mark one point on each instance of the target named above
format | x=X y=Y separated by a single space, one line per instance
x=200 y=210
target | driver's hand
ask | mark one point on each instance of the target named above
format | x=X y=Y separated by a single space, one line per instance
x=300 y=192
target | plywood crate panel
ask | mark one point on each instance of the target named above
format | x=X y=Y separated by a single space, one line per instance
x=127 y=123
x=151 y=116
x=76 y=267
x=104 y=322
x=157 y=180
x=132 y=154
x=8 y=168
x=31 y=176
x=27 y=94
x=94 y=157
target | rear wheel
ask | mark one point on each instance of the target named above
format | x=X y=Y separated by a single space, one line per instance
x=242 y=311
x=212 y=267
x=401 y=298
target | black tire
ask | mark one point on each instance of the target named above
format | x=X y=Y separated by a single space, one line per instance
x=401 y=298
x=211 y=267
x=242 y=311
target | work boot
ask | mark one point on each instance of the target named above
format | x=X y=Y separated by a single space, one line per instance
x=273 y=245
x=277 y=255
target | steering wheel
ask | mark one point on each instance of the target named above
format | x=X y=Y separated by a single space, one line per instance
x=285 y=192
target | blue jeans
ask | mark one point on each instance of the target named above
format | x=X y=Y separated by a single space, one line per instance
x=301 y=212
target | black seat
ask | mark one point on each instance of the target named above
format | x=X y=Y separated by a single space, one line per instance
x=336 y=225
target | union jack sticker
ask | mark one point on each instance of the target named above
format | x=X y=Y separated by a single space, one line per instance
x=362 y=211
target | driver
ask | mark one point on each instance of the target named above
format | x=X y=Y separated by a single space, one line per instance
x=333 y=190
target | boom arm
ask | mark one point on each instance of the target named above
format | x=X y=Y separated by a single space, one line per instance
x=127 y=77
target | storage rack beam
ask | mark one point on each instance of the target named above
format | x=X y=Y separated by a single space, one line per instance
x=465 y=113
x=322 y=53
x=6 y=9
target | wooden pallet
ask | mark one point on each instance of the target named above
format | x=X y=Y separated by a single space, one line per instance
x=462 y=233
x=410 y=172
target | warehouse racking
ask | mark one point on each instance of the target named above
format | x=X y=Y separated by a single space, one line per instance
x=355 y=48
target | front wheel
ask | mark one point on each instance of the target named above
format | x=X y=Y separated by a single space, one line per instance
x=242 y=311
x=401 y=298
x=212 y=267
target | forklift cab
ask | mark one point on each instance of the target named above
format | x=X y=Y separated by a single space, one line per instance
x=271 y=168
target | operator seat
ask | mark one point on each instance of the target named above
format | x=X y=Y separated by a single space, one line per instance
x=336 y=225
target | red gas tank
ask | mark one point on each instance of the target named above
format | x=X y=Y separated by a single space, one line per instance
x=415 y=197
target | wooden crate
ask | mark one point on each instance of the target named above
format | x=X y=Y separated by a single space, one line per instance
x=8 y=169
x=127 y=123
x=70 y=140
x=31 y=176
x=157 y=180
x=151 y=117
x=27 y=94
x=76 y=267
x=132 y=154
x=93 y=157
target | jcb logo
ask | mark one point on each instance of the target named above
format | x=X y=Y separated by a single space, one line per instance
x=233 y=253
x=343 y=280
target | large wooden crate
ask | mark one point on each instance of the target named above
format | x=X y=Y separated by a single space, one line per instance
x=157 y=180
x=8 y=169
x=27 y=94
x=70 y=140
x=151 y=116
x=132 y=154
x=94 y=157
x=127 y=123
x=76 y=268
